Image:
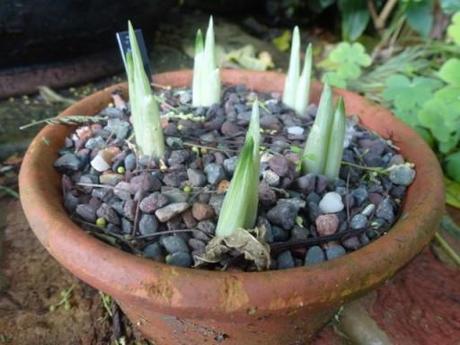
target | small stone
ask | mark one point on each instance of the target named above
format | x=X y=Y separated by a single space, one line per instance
x=207 y=227
x=358 y=221
x=396 y=160
x=230 y=129
x=129 y=209
x=174 y=194
x=130 y=162
x=70 y=202
x=103 y=160
x=285 y=260
x=166 y=213
x=69 y=161
x=174 y=142
x=299 y=233
x=295 y=130
x=270 y=122
x=385 y=210
x=398 y=192
x=178 y=157
x=87 y=212
x=230 y=165
x=95 y=143
x=202 y=211
x=153 y=251
x=402 y=174
x=148 y=224
x=279 y=234
x=327 y=224
x=360 y=195
x=271 y=177
x=185 y=97
x=321 y=184
x=216 y=202
x=123 y=190
x=108 y=213
x=335 y=251
x=153 y=202
x=174 y=244
x=314 y=255
x=196 y=177
x=119 y=127
x=306 y=183
x=180 y=259
x=279 y=164
x=368 y=210
x=375 y=198
x=352 y=243
x=126 y=226
x=283 y=214
x=267 y=196
x=214 y=172
x=175 y=178
x=196 y=244
x=110 y=178
x=331 y=203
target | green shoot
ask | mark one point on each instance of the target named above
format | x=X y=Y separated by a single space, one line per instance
x=297 y=88
x=206 y=75
x=144 y=108
x=316 y=148
x=239 y=209
x=336 y=138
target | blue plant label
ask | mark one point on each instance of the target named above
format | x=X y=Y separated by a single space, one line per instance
x=125 y=47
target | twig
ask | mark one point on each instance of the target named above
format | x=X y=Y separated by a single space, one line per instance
x=362 y=167
x=386 y=11
x=70 y=120
x=447 y=249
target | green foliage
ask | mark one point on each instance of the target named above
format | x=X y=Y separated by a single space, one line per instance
x=452 y=165
x=419 y=15
x=450 y=72
x=408 y=96
x=453 y=30
x=336 y=140
x=355 y=17
x=345 y=63
x=239 y=209
x=450 y=6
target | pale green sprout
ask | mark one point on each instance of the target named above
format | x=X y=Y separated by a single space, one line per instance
x=145 y=113
x=324 y=148
x=297 y=85
x=239 y=209
x=336 y=140
x=206 y=74
x=315 y=152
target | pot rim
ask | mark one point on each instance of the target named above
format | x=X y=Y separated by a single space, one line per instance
x=169 y=288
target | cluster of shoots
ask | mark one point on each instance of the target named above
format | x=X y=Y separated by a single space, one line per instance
x=239 y=209
x=144 y=108
x=206 y=74
x=297 y=85
x=324 y=147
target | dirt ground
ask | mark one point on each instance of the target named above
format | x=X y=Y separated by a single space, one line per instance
x=420 y=306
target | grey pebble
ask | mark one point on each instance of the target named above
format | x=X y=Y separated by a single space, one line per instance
x=166 y=213
x=87 y=212
x=314 y=255
x=174 y=244
x=283 y=214
x=334 y=251
x=196 y=177
x=385 y=210
x=148 y=224
x=285 y=260
x=214 y=172
x=69 y=161
x=153 y=251
x=359 y=221
x=153 y=202
x=180 y=259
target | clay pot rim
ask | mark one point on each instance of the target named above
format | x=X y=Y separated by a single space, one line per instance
x=123 y=274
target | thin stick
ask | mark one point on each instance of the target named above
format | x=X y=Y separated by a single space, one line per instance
x=447 y=249
x=362 y=167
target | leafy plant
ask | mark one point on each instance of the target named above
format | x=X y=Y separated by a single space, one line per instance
x=336 y=140
x=454 y=28
x=206 y=74
x=239 y=209
x=345 y=63
x=355 y=17
x=297 y=87
x=144 y=108
x=419 y=15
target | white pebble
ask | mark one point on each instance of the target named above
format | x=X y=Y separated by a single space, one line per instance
x=99 y=163
x=295 y=130
x=331 y=203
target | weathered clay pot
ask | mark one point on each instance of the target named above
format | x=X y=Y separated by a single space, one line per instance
x=174 y=305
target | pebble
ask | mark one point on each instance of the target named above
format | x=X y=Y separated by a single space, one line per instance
x=69 y=161
x=331 y=203
x=299 y=233
x=70 y=202
x=360 y=195
x=358 y=221
x=214 y=172
x=295 y=130
x=306 y=183
x=321 y=184
x=283 y=214
x=126 y=226
x=285 y=260
x=327 y=224
x=153 y=202
x=174 y=142
x=108 y=213
x=314 y=256
x=368 y=210
x=148 y=224
x=279 y=164
x=189 y=221
x=230 y=129
x=335 y=251
x=352 y=243
x=174 y=194
x=175 y=178
x=153 y=251
x=267 y=196
x=118 y=127
x=402 y=174
x=129 y=209
x=95 y=143
x=174 y=244
x=180 y=259
x=100 y=163
x=110 y=178
x=123 y=190
x=178 y=157
x=271 y=177
x=216 y=202
x=230 y=165
x=166 y=213
x=202 y=211
x=385 y=210
x=196 y=244
x=130 y=162
x=196 y=177
x=87 y=212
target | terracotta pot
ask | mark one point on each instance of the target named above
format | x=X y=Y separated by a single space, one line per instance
x=172 y=305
